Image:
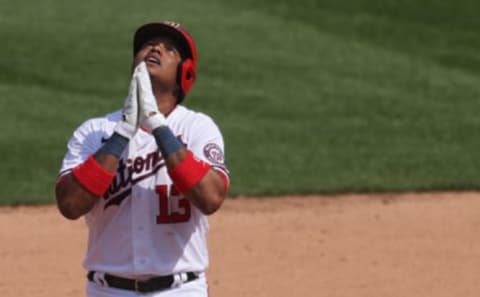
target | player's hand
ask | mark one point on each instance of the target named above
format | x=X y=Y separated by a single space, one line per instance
x=150 y=116
x=130 y=112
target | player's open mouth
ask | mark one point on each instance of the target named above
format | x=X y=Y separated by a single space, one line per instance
x=152 y=60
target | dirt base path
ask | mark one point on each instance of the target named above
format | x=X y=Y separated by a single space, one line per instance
x=356 y=245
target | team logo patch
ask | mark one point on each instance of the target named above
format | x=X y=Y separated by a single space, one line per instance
x=214 y=153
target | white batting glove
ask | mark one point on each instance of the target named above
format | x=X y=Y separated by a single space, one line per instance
x=129 y=124
x=150 y=116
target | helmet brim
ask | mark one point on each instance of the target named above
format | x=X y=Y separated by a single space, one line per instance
x=148 y=31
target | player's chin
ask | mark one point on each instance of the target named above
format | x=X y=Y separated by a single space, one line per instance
x=155 y=71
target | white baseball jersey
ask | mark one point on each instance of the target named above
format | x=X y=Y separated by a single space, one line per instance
x=143 y=226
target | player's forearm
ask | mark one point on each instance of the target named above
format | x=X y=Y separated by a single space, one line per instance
x=74 y=199
x=208 y=193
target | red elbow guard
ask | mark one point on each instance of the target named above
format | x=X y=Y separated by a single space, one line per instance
x=93 y=177
x=188 y=173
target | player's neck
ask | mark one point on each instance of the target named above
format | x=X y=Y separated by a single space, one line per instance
x=166 y=105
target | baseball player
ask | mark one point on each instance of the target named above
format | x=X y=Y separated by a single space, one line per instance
x=146 y=177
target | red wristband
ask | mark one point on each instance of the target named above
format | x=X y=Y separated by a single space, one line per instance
x=188 y=173
x=93 y=177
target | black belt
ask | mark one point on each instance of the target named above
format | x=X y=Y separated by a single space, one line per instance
x=153 y=284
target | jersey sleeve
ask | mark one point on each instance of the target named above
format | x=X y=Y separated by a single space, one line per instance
x=207 y=144
x=85 y=141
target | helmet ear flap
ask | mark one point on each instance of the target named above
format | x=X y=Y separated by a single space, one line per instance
x=185 y=76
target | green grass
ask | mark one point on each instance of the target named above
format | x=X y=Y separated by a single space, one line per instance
x=312 y=97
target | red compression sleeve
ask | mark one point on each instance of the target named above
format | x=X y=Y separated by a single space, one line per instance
x=93 y=177
x=189 y=172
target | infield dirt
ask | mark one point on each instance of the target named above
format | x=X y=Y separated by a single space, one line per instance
x=353 y=245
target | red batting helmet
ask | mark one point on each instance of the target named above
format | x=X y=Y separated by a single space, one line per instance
x=186 y=46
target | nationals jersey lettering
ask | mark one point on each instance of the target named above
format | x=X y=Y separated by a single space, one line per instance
x=131 y=171
x=141 y=167
x=143 y=226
